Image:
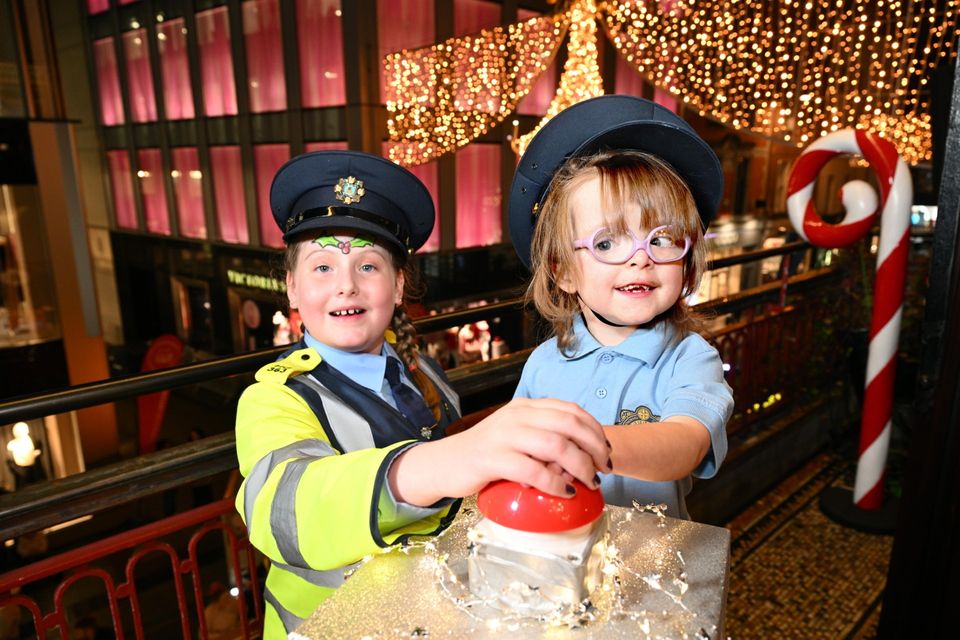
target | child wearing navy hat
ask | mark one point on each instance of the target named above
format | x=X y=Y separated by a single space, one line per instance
x=341 y=441
x=608 y=208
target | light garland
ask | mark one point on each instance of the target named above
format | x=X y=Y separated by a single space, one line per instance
x=441 y=97
x=795 y=70
x=581 y=72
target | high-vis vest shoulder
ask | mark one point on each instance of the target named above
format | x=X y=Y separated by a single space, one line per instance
x=314 y=447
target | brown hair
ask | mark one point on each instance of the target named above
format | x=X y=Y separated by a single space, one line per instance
x=627 y=178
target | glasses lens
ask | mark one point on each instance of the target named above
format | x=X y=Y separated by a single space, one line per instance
x=665 y=246
x=612 y=248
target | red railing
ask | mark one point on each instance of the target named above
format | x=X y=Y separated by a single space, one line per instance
x=50 y=614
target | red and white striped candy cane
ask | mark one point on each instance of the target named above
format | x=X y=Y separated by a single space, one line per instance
x=895 y=199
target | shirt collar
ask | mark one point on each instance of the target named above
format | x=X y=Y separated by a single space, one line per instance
x=366 y=369
x=647 y=343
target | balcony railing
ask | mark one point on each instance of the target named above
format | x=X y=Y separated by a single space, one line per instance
x=774 y=341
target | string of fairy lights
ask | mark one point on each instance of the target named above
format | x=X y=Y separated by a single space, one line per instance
x=794 y=69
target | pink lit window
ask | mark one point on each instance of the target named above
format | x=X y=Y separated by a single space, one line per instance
x=665 y=99
x=403 y=24
x=470 y=16
x=97 y=6
x=108 y=82
x=143 y=102
x=325 y=146
x=227 y=169
x=188 y=189
x=175 y=69
x=479 y=221
x=216 y=62
x=320 y=39
x=627 y=80
x=536 y=102
x=261 y=32
x=128 y=1
x=122 y=187
x=267 y=158
x=152 y=191
x=429 y=176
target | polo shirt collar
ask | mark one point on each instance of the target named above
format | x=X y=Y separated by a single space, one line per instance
x=647 y=343
x=366 y=369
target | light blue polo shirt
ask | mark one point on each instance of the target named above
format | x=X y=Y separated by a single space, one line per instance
x=642 y=379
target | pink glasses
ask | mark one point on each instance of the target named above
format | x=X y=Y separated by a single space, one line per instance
x=661 y=245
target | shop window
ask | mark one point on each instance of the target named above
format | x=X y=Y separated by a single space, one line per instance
x=188 y=189
x=143 y=102
x=261 y=33
x=338 y=145
x=152 y=192
x=227 y=169
x=478 y=195
x=97 y=6
x=122 y=187
x=108 y=82
x=267 y=158
x=194 y=318
x=416 y=18
x=320 y=41
x=216 y=62
x=175 y=70
x=536 y=102
x=470 y=16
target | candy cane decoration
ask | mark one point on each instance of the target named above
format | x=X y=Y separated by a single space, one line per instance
x=860 y=204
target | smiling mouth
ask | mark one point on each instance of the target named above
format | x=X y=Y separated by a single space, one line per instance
x=347 y=312
x=633 y=288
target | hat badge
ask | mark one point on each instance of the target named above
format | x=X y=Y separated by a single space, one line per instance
x=349 y=190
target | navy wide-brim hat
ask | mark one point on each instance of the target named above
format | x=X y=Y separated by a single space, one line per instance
x=611 y=122
x=352 y=190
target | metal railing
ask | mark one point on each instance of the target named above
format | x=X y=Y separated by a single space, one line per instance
x=45 y=504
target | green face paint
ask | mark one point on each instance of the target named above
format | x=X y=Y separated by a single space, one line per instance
x=344 y=245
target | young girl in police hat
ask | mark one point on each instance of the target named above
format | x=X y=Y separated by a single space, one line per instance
x=341 y=441
x=608 y=207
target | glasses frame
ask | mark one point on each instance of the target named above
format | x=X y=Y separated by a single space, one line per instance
x=587 y=243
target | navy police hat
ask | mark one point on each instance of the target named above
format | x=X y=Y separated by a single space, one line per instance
x=611 y=122
x=352 y=190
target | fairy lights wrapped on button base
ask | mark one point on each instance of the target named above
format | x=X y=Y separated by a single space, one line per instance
x=535 y=553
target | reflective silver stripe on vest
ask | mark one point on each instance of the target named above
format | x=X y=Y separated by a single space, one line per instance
x=313 y=448
x=351 y=430
x=289 y=620
x=332 y=578
x=283 y=512
x=445 y=388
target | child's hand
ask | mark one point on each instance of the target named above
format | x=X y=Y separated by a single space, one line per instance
x=541 y=443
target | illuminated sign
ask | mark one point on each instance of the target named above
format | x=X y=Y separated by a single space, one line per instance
x=256 y=281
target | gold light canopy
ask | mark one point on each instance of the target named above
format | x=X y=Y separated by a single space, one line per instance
x=792 y=69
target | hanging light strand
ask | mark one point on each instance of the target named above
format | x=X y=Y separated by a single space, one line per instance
x=796 y=69
x=442 y=97
x=581 y=72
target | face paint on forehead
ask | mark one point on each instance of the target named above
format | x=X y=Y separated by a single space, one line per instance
x=344 y=245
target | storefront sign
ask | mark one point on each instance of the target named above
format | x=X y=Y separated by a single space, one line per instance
x=256 y=281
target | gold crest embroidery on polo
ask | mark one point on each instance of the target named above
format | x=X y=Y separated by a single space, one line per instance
x=639 y=415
